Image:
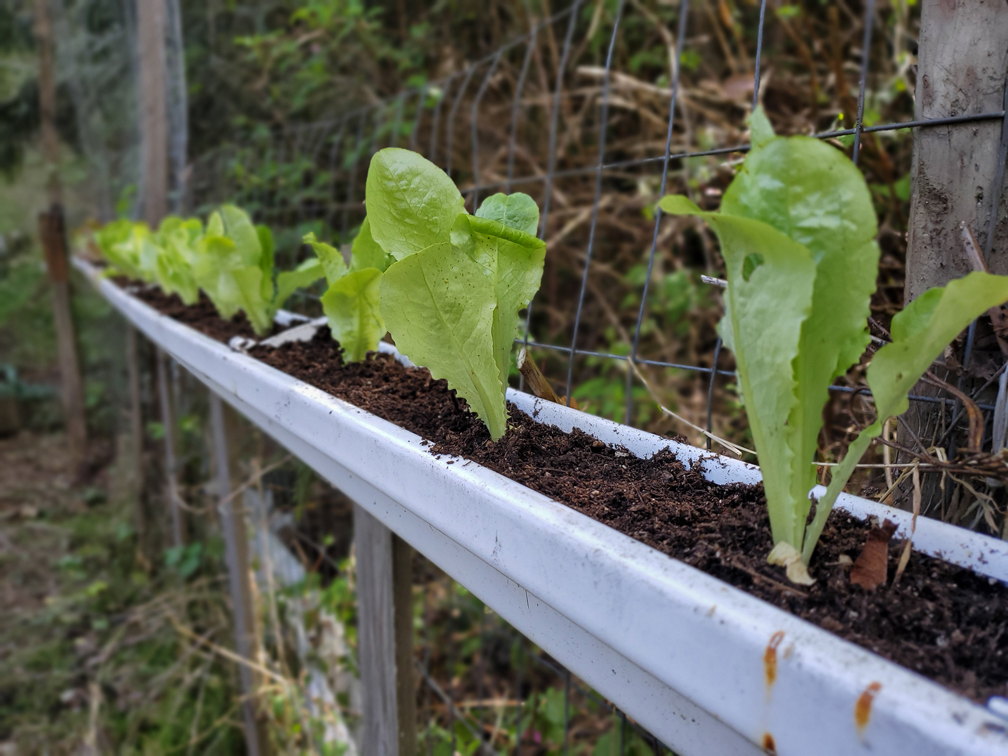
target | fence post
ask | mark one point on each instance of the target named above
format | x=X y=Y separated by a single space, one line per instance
x=962 y=70
x=51 y=231
x=385 y=638
x=154 y=109
x=236 y=552
x=168 y=424
x=136 y=430
x=962 y=65
x=402 y=601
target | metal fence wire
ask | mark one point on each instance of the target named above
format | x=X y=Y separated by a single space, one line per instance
x=596 y=112
x=560 y=114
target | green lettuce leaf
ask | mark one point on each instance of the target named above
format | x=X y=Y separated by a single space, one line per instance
x=303 y=276
x=766 y=308
x=366 y=252
x=239 y=228
x=352 y=306
x=920 y=334
x=517 y=211
x=452 y=298
x=513 y=260
x=121 y=243
x=249 y=282
x=330 y=258
x=438 y=305
x=813 y=194
x=411 y=203
x=176 y=239
x=216 y=259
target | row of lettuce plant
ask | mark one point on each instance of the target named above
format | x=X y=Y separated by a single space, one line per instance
x=231 y=260
x=448 y=286
x=797 y=233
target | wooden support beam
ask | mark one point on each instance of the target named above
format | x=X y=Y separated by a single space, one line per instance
x=385 y=638
x=136 y=431
x=402 y=609
x=53 y=237
x=225 y=433
x=168 y=423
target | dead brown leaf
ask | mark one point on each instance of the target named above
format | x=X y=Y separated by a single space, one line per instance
x=870 y=568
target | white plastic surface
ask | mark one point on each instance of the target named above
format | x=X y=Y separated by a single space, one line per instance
x=683 y=653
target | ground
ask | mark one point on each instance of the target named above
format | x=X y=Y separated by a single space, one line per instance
x=90 y=661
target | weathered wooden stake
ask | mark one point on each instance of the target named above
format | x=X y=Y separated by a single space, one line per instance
x=136 y=429
x=168 y=422
x=962 y=65
x=402 y=599
x=54 y=244
x=385 y=638
x=222 y=421
x=962 y=70
x=47 y=99
x=154 y=108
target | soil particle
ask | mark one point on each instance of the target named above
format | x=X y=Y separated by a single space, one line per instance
x=941 y=621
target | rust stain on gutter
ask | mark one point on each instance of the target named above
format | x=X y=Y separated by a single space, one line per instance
x=770 y=658
x=863 y=707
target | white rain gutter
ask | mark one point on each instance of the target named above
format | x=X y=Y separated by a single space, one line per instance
x=706 y=667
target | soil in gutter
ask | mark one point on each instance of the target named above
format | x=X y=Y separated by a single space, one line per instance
x=941 y=621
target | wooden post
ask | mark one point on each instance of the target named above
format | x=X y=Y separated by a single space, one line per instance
x=402 y=611
x=47 y=99
x=136 y=429
x=52 y=234
x=962 y=65
x=154 y=108
x=168 y=422
x=223 y=421
x=962 y=70
x=54 y=244
x=385 y=638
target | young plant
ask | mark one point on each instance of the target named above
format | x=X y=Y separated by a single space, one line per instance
x=453 y=291
x=176 y=241
x=122 y=244
x=352 y=301
x=797 y=233
x=233 y=264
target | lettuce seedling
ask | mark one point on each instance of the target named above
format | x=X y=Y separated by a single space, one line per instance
x=128 y=248
x=233 y=264
x=176 y=241
x=352 y=302
x=452 y=295
x=797 y=232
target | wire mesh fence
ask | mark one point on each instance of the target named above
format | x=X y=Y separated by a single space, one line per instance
x=596 y=112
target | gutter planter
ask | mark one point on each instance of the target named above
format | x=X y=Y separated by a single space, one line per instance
x=704 y=666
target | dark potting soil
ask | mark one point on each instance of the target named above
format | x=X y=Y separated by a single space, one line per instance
x=941 y=621
x=201 y=316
